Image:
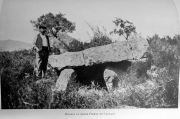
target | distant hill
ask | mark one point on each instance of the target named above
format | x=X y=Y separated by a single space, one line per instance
x=11 y=45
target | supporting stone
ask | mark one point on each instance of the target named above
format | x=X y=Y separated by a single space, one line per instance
x=111 y=79
x=64 y=78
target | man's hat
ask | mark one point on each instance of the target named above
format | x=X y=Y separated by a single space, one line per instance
x=42 y=27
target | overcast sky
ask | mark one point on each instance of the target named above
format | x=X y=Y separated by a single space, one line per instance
x=149 y=16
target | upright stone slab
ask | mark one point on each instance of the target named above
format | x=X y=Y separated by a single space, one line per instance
x=65 y=76
x=111 y=79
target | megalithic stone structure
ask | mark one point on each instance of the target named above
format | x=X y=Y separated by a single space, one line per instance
x=115 y=52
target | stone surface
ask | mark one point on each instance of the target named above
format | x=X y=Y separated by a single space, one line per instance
x=55 y=43
x=65 y=76
x=66 y=59
x=62 y=42
x=65 y=38
x=111 y=79
x=115 y=52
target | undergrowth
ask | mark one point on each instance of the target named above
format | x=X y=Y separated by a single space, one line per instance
x=136 y=88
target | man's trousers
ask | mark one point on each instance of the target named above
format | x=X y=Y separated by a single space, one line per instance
x=41 y=62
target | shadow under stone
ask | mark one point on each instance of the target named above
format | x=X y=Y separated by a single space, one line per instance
x=87 y=74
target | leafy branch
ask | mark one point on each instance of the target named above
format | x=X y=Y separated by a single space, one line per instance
x=54 y=23
x=123 y=28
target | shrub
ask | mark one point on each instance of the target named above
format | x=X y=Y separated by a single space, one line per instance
x=14 y=67
x=164 y=53
x=99 y=38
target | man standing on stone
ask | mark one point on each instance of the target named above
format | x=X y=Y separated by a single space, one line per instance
x=42 y=47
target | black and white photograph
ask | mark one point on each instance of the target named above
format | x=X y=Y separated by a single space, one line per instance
x=89 y=54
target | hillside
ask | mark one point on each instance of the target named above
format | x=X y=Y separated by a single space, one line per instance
x=11 y=45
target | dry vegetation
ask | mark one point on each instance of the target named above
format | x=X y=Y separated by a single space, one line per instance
x=137 y=88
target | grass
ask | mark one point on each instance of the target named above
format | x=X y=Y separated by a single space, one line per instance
x=136 y=89
x=131 y=93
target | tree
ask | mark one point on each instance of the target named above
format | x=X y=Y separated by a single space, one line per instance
x=54 y=23
x=124 y=28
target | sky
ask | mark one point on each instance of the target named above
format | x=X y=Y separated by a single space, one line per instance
x=149 y=16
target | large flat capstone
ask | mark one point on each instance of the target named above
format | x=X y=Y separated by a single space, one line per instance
x=115 y=52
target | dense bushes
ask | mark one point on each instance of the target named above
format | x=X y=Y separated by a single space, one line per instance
x=164 y=53
x=14 y=67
